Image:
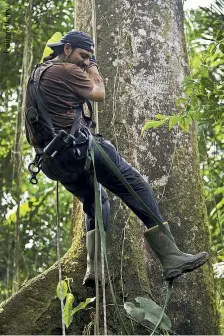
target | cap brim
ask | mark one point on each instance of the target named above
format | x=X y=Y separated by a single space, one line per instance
x=54 y=44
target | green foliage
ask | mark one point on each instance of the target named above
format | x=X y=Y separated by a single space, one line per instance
x=62 y=289
x=183 y=121
x=205 y=92
x=147 y=310
x=83 y=305
x=38 y=212
x=69 y=311
x=47 y=50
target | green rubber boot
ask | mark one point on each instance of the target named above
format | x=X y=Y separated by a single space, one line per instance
x=174 y=262
x=89 y=278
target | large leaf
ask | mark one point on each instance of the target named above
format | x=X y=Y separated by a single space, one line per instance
x=47 y=50
x=152 y=124
x=68 y=309
x=136 y=313
x=148 y=310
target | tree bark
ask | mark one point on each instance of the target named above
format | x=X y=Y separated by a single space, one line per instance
x=142 y=56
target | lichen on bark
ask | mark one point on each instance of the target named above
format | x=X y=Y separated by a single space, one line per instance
x=142 y=57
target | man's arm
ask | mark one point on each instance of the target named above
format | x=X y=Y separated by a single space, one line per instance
x=98 y=92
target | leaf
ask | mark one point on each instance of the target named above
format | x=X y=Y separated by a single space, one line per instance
x=68 y=309
x=152 y=124
x=173 y=120
x=160 y=116
x=207 y=83
x=47 y=50
x=148 y=310
x=219 y=190
x=180 y=101
x=221 y=47
x=153 y=312
x=185 y=123
x=64 y=290
x=83 y=305
x=136 y=313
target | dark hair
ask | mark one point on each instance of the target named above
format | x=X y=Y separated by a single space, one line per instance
x=56 y=51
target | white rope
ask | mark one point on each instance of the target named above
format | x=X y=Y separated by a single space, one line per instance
x=96 y=112
x=59 y=261
x=96 y=325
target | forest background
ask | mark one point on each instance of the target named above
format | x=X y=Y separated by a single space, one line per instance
x=27 y=221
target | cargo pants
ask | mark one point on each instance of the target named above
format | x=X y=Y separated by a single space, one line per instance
x=80 y=184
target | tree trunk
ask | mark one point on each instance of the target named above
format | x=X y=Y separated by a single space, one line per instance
x=142 y=56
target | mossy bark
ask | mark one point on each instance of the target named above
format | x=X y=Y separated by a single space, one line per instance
x=142 y=56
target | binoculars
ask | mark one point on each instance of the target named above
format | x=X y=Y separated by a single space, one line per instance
x=61 y=140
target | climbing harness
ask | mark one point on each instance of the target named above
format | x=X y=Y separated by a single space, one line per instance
x=60 y=139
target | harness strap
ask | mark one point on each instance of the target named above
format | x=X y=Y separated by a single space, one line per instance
x=38 y=97
x=115 y=170
x=78 y=114
x=99 y=223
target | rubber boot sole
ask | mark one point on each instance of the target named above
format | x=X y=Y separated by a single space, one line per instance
x=173 y=273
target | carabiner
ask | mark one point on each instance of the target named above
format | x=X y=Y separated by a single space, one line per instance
x=33 y=168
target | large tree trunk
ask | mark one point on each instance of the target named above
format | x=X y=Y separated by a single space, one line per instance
x=142 y=56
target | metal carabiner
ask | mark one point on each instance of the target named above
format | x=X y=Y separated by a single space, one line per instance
x=33 y=168
x=33 y=179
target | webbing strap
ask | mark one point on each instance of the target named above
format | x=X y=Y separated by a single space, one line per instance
x=115 y=170
x=40 y=103
x=99 y=223
x=75 y=121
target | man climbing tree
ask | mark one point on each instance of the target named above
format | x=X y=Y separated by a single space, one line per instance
x=58 y=128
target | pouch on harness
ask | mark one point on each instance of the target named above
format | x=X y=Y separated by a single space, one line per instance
x=78 y=141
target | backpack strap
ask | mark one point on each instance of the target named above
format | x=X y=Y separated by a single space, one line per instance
x=38 y=97
x=36 y=75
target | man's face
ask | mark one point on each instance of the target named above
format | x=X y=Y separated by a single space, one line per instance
x=80 y=57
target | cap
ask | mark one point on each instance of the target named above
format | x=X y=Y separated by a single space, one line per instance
x=77 y=39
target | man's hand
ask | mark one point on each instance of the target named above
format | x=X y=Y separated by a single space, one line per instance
x=98 y=92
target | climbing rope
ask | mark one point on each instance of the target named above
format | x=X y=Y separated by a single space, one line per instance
x=102 y=233
x=103 y=282
x=59 y=259
x=99 y=223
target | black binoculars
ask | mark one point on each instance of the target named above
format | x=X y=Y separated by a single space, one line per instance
x=61 y=140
